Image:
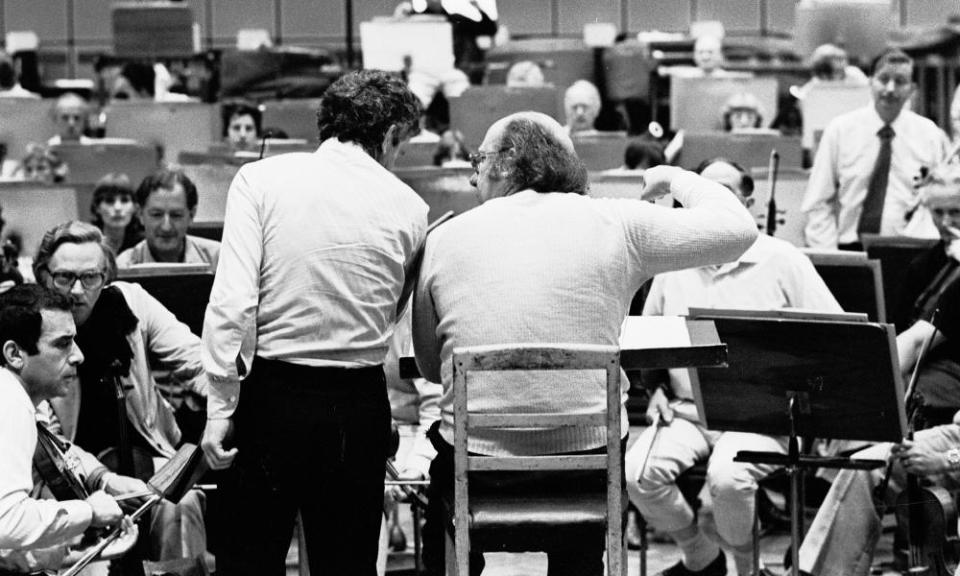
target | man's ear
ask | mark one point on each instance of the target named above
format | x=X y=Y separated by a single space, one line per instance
x=390 y=140
x=13 y=355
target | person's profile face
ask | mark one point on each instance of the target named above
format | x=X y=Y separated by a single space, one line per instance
x=85 y=265
x=242 y=131
x=52 y=371
x=891 y=86
x=945 y=211
x=166 y=218
x=117 y=211
x=487 y=176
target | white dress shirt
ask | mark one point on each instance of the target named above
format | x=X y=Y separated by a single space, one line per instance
x=311 y=265
x=841 y=173
x=26 y=522
x=771 y=275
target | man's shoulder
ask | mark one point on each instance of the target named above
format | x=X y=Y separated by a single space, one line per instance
x=132 y=255
x=207 y=244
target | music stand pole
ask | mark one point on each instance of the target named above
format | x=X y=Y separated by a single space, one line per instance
x=793 y=452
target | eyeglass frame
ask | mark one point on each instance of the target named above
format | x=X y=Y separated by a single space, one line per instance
x=82 y=277
x=477 y=157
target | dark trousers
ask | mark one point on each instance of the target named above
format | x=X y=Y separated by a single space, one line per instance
x=570 y=551
x=312 y=440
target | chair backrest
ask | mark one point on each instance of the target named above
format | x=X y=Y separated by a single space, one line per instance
x=602 y=150
x=538 y=357
x=87 y=163
x=443 y=189
x=176 y=126
x=750 y=150
x=697 y=103
x=184 y=289
x=895 y=254
x=480 y=106
x=32 y=208
x=855 y=281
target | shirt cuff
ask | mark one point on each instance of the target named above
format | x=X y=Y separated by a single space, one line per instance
x=222 y=398
x=79 y=512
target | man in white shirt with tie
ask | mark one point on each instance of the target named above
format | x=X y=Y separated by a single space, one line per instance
x=862 y=177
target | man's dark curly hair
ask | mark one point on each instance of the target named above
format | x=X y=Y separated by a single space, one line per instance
x=20 y=314
x=361 y=106
x=540 y=161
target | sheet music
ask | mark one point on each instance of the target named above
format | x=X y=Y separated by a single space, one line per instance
x=639 y=332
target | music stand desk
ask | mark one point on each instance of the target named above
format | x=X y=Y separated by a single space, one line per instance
x=798 y=373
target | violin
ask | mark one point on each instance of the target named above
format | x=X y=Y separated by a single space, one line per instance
x=926 y=515
x=52 y=463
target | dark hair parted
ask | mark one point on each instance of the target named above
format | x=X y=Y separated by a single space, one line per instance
x=20 y=318
x=361 y=106
x=167 y=178
x=892 y=56
x=72 y=232
x=539 y=159
x=643 y=153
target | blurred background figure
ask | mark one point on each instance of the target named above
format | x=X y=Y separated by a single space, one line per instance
x=41 y=165
x=581 y=104
x=708 y=54
x=70 y=115
x=114 y=212
x=829 y=64
x=643 y=153
x=525 y=74
x=742 y=111
x=451 y=151
x=9 y=85
x=243 y=121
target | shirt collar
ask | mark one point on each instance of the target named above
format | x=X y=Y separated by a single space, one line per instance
x=18 y=394
x=759 y=251
x=877 y=123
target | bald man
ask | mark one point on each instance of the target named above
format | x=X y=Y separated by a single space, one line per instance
x=581 y=104
x=566 y=267
x=70 y=116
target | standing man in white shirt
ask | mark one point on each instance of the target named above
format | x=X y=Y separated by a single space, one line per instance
x=311 y=268
x=862 y=178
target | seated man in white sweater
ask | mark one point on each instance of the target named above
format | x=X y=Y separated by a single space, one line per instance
x=539 y=261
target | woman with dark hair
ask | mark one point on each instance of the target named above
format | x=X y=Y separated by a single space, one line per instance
x=114 y=211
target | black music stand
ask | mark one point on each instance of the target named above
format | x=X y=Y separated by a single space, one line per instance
x=802 y=374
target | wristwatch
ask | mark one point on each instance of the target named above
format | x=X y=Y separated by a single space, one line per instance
x=953 y=458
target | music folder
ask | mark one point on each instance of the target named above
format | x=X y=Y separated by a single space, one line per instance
x=839 y=372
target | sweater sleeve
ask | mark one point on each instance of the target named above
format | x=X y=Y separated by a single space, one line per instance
x=712 y=228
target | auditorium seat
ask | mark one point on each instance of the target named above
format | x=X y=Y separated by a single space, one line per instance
x=563 y=60
x=24 y=120
x=895 y=254
x=87 y=163
x=601 y=150
x=696 y=104
x=750 y=150
x=853 y=279
x=480 y=106
x=443 y=189
x=183 y=289
x=297 y=118
x=173 y=126
x=31 y=208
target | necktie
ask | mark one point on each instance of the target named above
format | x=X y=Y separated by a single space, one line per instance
x=877 y=186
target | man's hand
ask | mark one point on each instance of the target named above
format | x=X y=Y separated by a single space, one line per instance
x=214 y=434
x=125 y=486
x=657 y=181
x=920 y=459
x=397 y=493
x=658 y=408
x=953 y=247
x=106 y=511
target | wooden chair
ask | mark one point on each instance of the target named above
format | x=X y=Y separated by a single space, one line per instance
x=495 y=515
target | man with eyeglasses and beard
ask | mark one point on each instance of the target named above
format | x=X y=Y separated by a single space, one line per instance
x=123 y=332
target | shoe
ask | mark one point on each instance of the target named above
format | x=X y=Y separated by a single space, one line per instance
x=716 y=568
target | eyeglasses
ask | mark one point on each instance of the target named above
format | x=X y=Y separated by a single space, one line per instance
x=65 y=280
x=477 y=157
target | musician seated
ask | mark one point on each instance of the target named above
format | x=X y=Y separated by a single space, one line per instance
x=844 y=534
x=772 y=274
x=566 y=268
x=940 y=201
x=39 y=360
x=168 y=203
x=124 y=332
x=70 y=115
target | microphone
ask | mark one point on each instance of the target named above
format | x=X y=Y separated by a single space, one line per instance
x=263 y=143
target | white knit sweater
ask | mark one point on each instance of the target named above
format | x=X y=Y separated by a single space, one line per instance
x=556 y=268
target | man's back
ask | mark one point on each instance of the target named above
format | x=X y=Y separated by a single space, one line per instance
x=331 y=232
